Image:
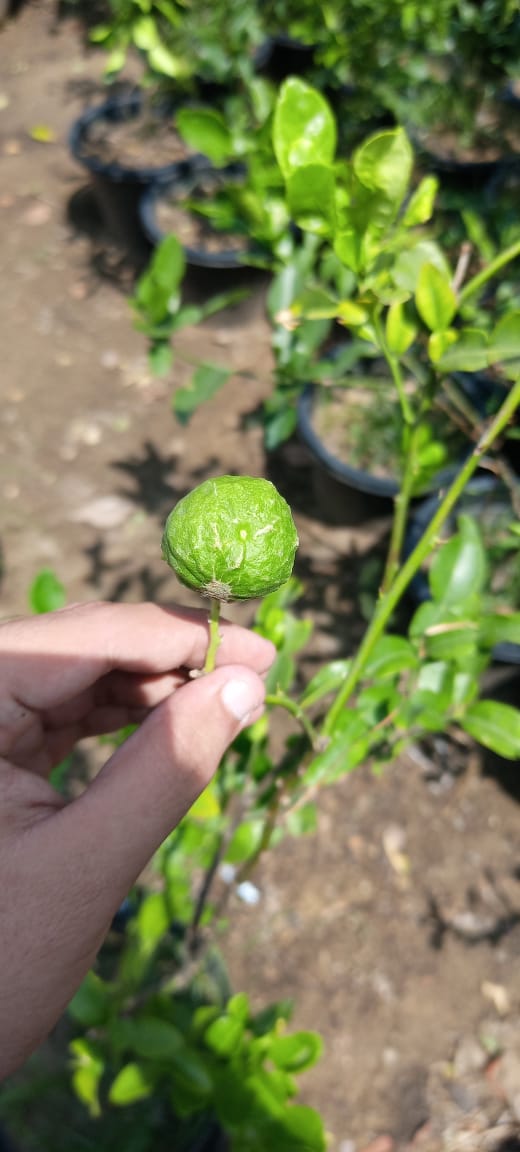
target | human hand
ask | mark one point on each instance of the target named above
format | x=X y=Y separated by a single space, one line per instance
x=66 y=867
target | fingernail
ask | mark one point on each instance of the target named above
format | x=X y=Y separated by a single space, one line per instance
x=240 y=699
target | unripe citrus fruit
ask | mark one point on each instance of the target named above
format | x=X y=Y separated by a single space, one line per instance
x=232 y=538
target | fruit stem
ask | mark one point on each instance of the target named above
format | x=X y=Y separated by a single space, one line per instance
x=214 y=636
x=280 y=699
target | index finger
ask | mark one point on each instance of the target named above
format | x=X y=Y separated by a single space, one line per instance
x=49 y=658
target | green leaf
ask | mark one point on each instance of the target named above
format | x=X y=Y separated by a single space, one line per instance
x=453 y=640
x=116 y=60
x=238 y=1007
x=469 y=353
x=391 y=656
x=152 y=920
x=145 y=33
x=348 y=248
x=304 y=1125
x=428 y=613
x=46 y=593
x=91 y=1003
x=88 y=1068
x=154 y=1039
x=440 y=342
x=400 y=332
x=272 y=1088
x=348 y=747
x=506 y=335
x=304 y=128
x=207 y=806
x=130 y=1084
x=501 y=628
x=160 y=357
x=420 y=206
x=383 y=163
x=310 y=194
x=266 y=1020
x=327 y=679
x=205 y=130
x=157 y=297
x=205 y=383
x=302 y=821
x=224 y=1035
x=166 y=63
x=504 y=342
x=192 y=1077
x=244 y=842
x=168 y=263
x=430 y=705
x=408 y=264
x=86 y=1081
x=315 y=304
x=495 y=725
x=377 y=701
x=351 y=314
x=459 y=569
x=435 y=299
x=297 y=1052
x=100 y=33
x=193 y=315
x=279 y=426
x=432 y=677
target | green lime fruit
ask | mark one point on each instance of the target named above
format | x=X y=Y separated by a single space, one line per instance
x=231 y=538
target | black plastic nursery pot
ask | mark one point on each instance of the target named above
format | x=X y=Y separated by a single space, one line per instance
x=207 y=252
x=349 y=493
x=119 y=185
x=483 y=498
x=346 y=493
x=469 y=174
x=457 y=170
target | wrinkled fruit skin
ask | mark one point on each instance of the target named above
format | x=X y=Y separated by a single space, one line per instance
x=232 y=538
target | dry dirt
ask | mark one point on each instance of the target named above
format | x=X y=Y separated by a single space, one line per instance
x=396 y=928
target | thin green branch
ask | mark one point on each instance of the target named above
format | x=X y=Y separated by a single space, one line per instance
x=487 y=273
x=214 y=636
x=282 y=701
x=395 y=369
x=401 y=506
x=248 y=867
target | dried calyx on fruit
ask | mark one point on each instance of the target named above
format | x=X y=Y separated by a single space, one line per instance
x=232 y=538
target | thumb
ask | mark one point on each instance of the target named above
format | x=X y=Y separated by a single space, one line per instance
x=155 y=776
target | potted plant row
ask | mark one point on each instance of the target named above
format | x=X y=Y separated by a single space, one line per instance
x=127 y=144
x=232 y=211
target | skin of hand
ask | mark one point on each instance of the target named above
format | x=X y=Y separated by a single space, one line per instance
x=65 y=867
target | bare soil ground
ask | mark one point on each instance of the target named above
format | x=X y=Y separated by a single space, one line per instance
x=395 y=928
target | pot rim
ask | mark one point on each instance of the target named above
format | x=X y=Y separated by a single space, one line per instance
x=228 y=258
x=115 y=109
x=346 y=473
